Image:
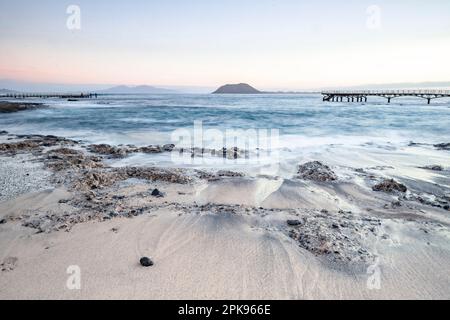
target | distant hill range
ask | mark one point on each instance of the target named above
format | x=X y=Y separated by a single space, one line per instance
x=136 y=90
x=240 y=88
x=6 y=91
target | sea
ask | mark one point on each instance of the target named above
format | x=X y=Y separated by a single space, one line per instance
x=279 y=130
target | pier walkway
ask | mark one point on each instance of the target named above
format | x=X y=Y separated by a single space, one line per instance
x=21 y=95
x=361 y=95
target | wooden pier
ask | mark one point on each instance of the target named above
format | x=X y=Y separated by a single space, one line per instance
x=361 y=95
x=21 y=95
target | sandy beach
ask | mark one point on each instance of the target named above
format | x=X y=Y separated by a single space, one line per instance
x=326 y=232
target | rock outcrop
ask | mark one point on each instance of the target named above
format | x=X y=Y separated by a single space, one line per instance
x=390 y=186
x=316 y=171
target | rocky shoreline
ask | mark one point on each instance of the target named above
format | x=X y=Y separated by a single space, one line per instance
x=10 y=107
x=98 y=192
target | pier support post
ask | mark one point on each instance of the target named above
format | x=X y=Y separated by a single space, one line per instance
x=429 y=100
x=389 y=100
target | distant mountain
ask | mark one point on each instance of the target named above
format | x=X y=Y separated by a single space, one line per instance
x=136 y=90
x=5 y=91
x=240 y=88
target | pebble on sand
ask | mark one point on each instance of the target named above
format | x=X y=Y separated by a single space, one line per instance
x=294 y=223
x=157 y=193
x=146 y=262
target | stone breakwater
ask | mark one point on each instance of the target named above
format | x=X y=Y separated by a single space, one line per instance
x=10 y=107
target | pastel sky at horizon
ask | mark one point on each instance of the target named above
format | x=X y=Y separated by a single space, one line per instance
x=271 y=44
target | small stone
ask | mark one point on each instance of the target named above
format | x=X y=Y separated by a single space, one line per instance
x=433 y=168
x=294 y=223
x=146 y=262
x=2 y=221
x=158 y=194
x=168 y=147
x=446 y=207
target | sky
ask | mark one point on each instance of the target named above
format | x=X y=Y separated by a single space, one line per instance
x=271 y=44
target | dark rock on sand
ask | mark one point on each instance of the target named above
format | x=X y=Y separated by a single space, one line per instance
x=146 y=262
x=316 y=171
x=433 y=168
x=158 y=194
x=168 y=147
x=294 y=223
x=390 y=186
x=2 y=221
x=443 y=146
x=3 y=133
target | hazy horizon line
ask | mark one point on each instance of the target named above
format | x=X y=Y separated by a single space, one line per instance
x=30 y=86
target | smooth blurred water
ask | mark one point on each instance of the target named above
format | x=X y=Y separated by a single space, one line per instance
x=117 y=119
x=309 y=127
